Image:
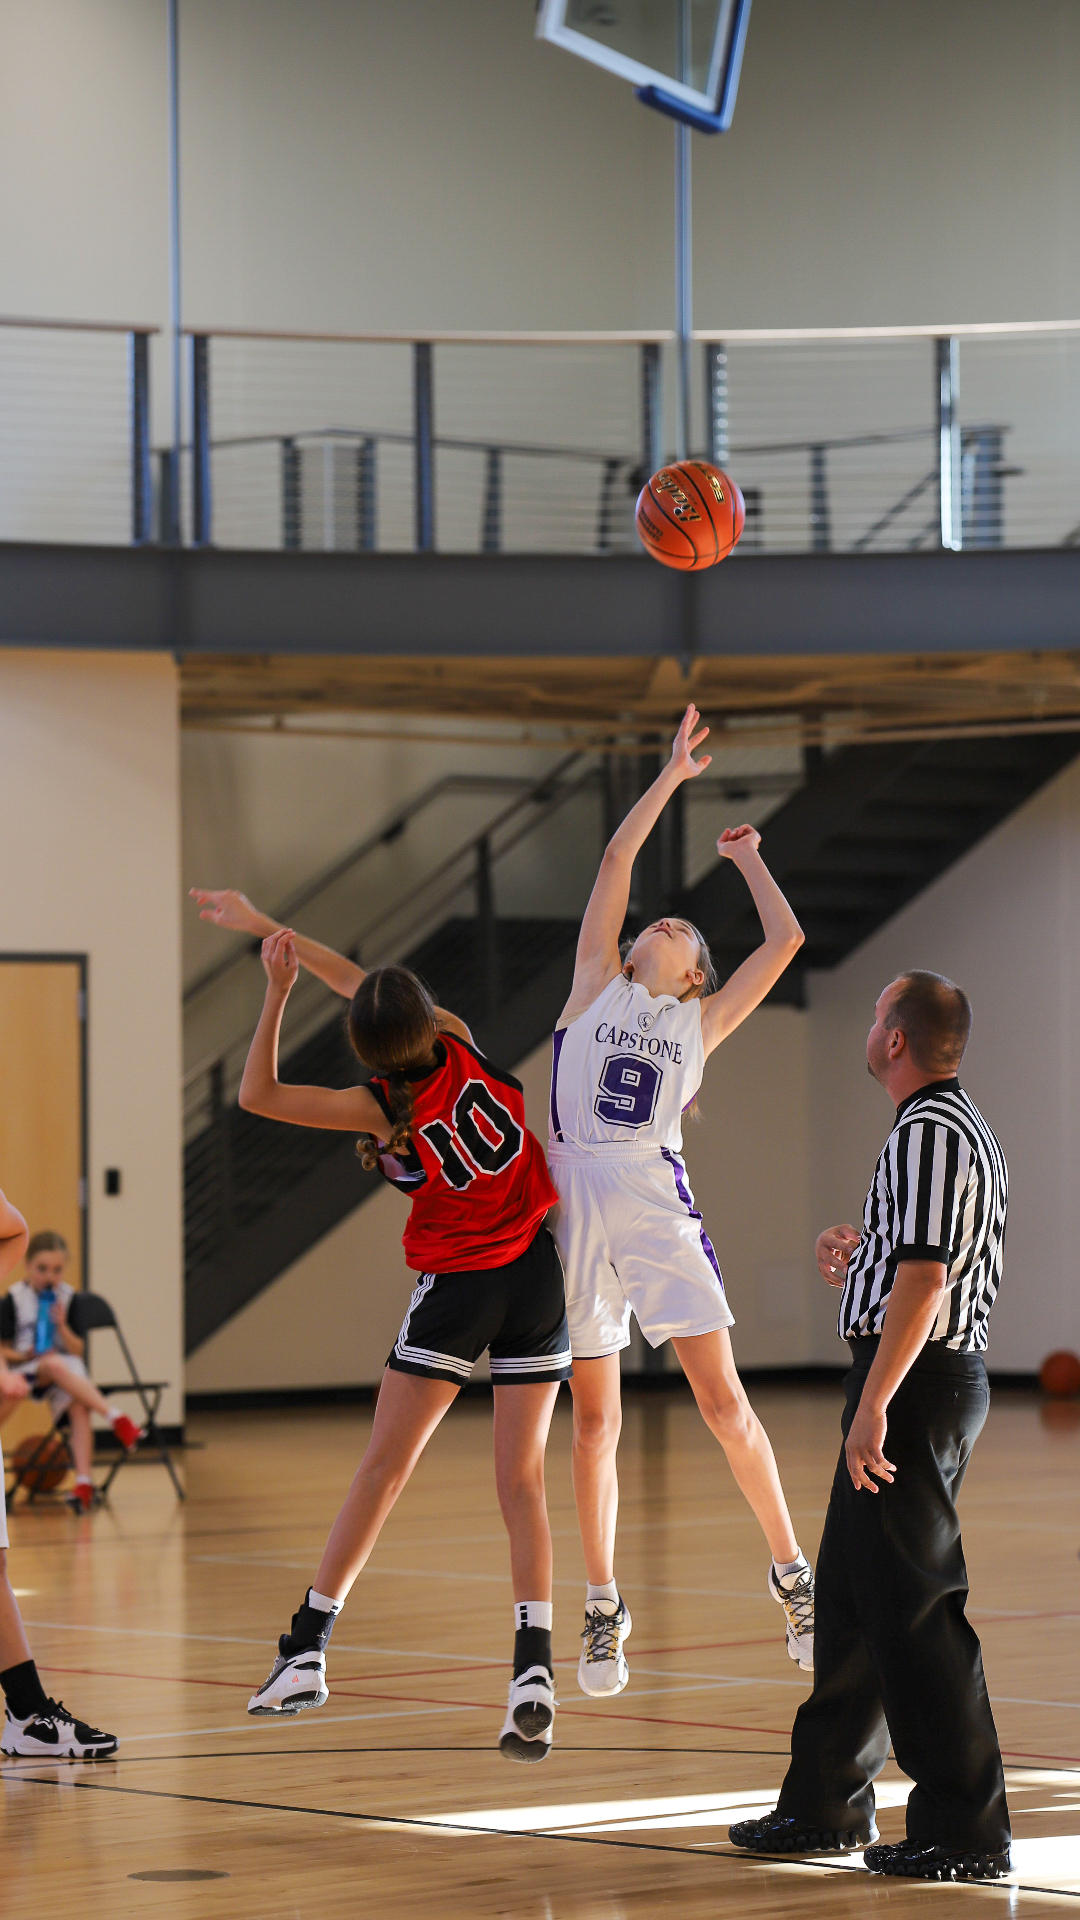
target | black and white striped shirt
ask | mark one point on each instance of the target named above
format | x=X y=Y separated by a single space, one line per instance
x=940 y=1192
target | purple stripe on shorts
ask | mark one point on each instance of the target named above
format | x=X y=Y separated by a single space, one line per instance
x=557 y=1039
x=685 y=1196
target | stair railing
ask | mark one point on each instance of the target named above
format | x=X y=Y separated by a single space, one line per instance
x=464 y=879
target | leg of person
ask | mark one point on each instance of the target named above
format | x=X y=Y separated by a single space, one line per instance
x=672 y=1279
x=408 y=1411
x=530 y=1355
x=522 y=1421
x=34 y=1724
x=598 y=1315
x=709 y=1365
x=840 y=1739
x=81 y=1498
x=925 y=1651
x=448 y=1324
x=66 y=1375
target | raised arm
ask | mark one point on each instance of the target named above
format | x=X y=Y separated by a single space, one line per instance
x=349 y=1109
x=597 y=959
x=227 y=907
x=722 y=1012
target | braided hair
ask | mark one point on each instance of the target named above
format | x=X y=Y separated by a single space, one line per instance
x=392 y=1028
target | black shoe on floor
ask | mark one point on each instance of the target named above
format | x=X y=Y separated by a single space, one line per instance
x=914 y=1860
x=775 y=1834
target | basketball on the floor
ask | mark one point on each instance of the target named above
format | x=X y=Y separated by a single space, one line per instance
x=690 y=515
x=1059 y=1375
x=50 y=1467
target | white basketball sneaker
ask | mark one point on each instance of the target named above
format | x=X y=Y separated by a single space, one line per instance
x=296 y=1681
x=795 y=1593
x=530 y=1716
x=602 y=1668
x=53 y=1733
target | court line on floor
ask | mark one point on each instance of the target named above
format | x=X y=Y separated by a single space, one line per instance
x=436 y=1827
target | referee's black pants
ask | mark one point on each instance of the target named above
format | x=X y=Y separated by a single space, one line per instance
x=894 y=1654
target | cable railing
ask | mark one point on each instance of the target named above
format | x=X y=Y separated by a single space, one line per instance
x=843 y=439
x=460 y=883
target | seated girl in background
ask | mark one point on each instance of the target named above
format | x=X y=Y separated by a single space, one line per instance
x=37 y=1342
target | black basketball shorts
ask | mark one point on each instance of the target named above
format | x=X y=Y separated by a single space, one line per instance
x=517 y=1311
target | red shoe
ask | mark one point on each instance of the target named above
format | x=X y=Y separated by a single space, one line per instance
x=127 y=1432
x=81 y=1498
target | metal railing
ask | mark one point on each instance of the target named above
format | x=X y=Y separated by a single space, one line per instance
x=842 y=439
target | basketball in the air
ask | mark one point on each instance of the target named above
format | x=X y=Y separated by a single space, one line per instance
x=1059 y=1375
x=690 y=515
x=50 y=1466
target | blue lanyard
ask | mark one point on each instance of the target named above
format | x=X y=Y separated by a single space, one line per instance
x=45 y=1332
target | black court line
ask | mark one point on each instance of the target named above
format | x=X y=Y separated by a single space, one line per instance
x=754 y=1861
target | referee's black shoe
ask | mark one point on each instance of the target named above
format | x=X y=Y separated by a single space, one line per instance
x=915 y=1860
x=776 y=1834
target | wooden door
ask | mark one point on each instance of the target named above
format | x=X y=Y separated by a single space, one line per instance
x=42 y=1096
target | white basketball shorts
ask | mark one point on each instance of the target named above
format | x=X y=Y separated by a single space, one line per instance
x=3 y=1514
x=632 y=1241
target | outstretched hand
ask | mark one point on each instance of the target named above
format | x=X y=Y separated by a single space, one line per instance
x=689 y=737
x=228 y=907
x=736 y=842
x=280 y=963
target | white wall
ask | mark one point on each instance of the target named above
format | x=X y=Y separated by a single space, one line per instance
x=1004 y=923
x=349 y=165
x=89 y=852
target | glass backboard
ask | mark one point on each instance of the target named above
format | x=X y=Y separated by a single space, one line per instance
x=684 y=48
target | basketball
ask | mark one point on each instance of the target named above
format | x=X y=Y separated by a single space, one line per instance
x=52 y=1465
x=690 y=515
x=1059 y=1374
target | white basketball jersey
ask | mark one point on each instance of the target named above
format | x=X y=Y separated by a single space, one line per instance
x=626 y=1070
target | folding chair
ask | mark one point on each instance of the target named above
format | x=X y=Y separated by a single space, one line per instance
x=91 y=1310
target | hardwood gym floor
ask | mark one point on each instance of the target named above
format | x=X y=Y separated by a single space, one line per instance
x=155 y=1621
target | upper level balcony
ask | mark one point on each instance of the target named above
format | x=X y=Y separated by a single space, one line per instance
x=516 y=460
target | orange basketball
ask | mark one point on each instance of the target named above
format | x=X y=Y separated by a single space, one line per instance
x=1059 y=1374
x=690 y=515
x=52 y=1462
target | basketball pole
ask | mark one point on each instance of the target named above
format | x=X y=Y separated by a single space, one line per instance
x=684 y=284
x=171 y=529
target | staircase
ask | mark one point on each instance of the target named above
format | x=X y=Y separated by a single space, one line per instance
x=869 y=829
x=872 y=827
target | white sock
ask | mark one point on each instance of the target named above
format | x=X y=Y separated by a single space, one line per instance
x=114 y=1415
x=608 y=1592
x=322 y=1602
x=782 y=1568
x=532 y=1613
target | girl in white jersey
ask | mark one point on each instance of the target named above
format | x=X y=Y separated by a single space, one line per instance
x=629 y=1051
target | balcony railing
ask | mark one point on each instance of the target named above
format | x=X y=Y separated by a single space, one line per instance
x=843 y=440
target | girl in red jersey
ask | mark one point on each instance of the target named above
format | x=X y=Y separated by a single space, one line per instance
x=450 y=1127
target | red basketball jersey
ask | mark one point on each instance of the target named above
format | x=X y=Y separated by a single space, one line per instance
x=482 y=1186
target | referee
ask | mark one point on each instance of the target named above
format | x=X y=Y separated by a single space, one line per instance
x=895 y=1658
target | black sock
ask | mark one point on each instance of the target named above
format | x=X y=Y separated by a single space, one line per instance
x=532 y=1648
x=23 y=1690
x=309 y=1632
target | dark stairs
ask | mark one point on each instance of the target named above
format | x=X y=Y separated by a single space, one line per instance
x=873 y=826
